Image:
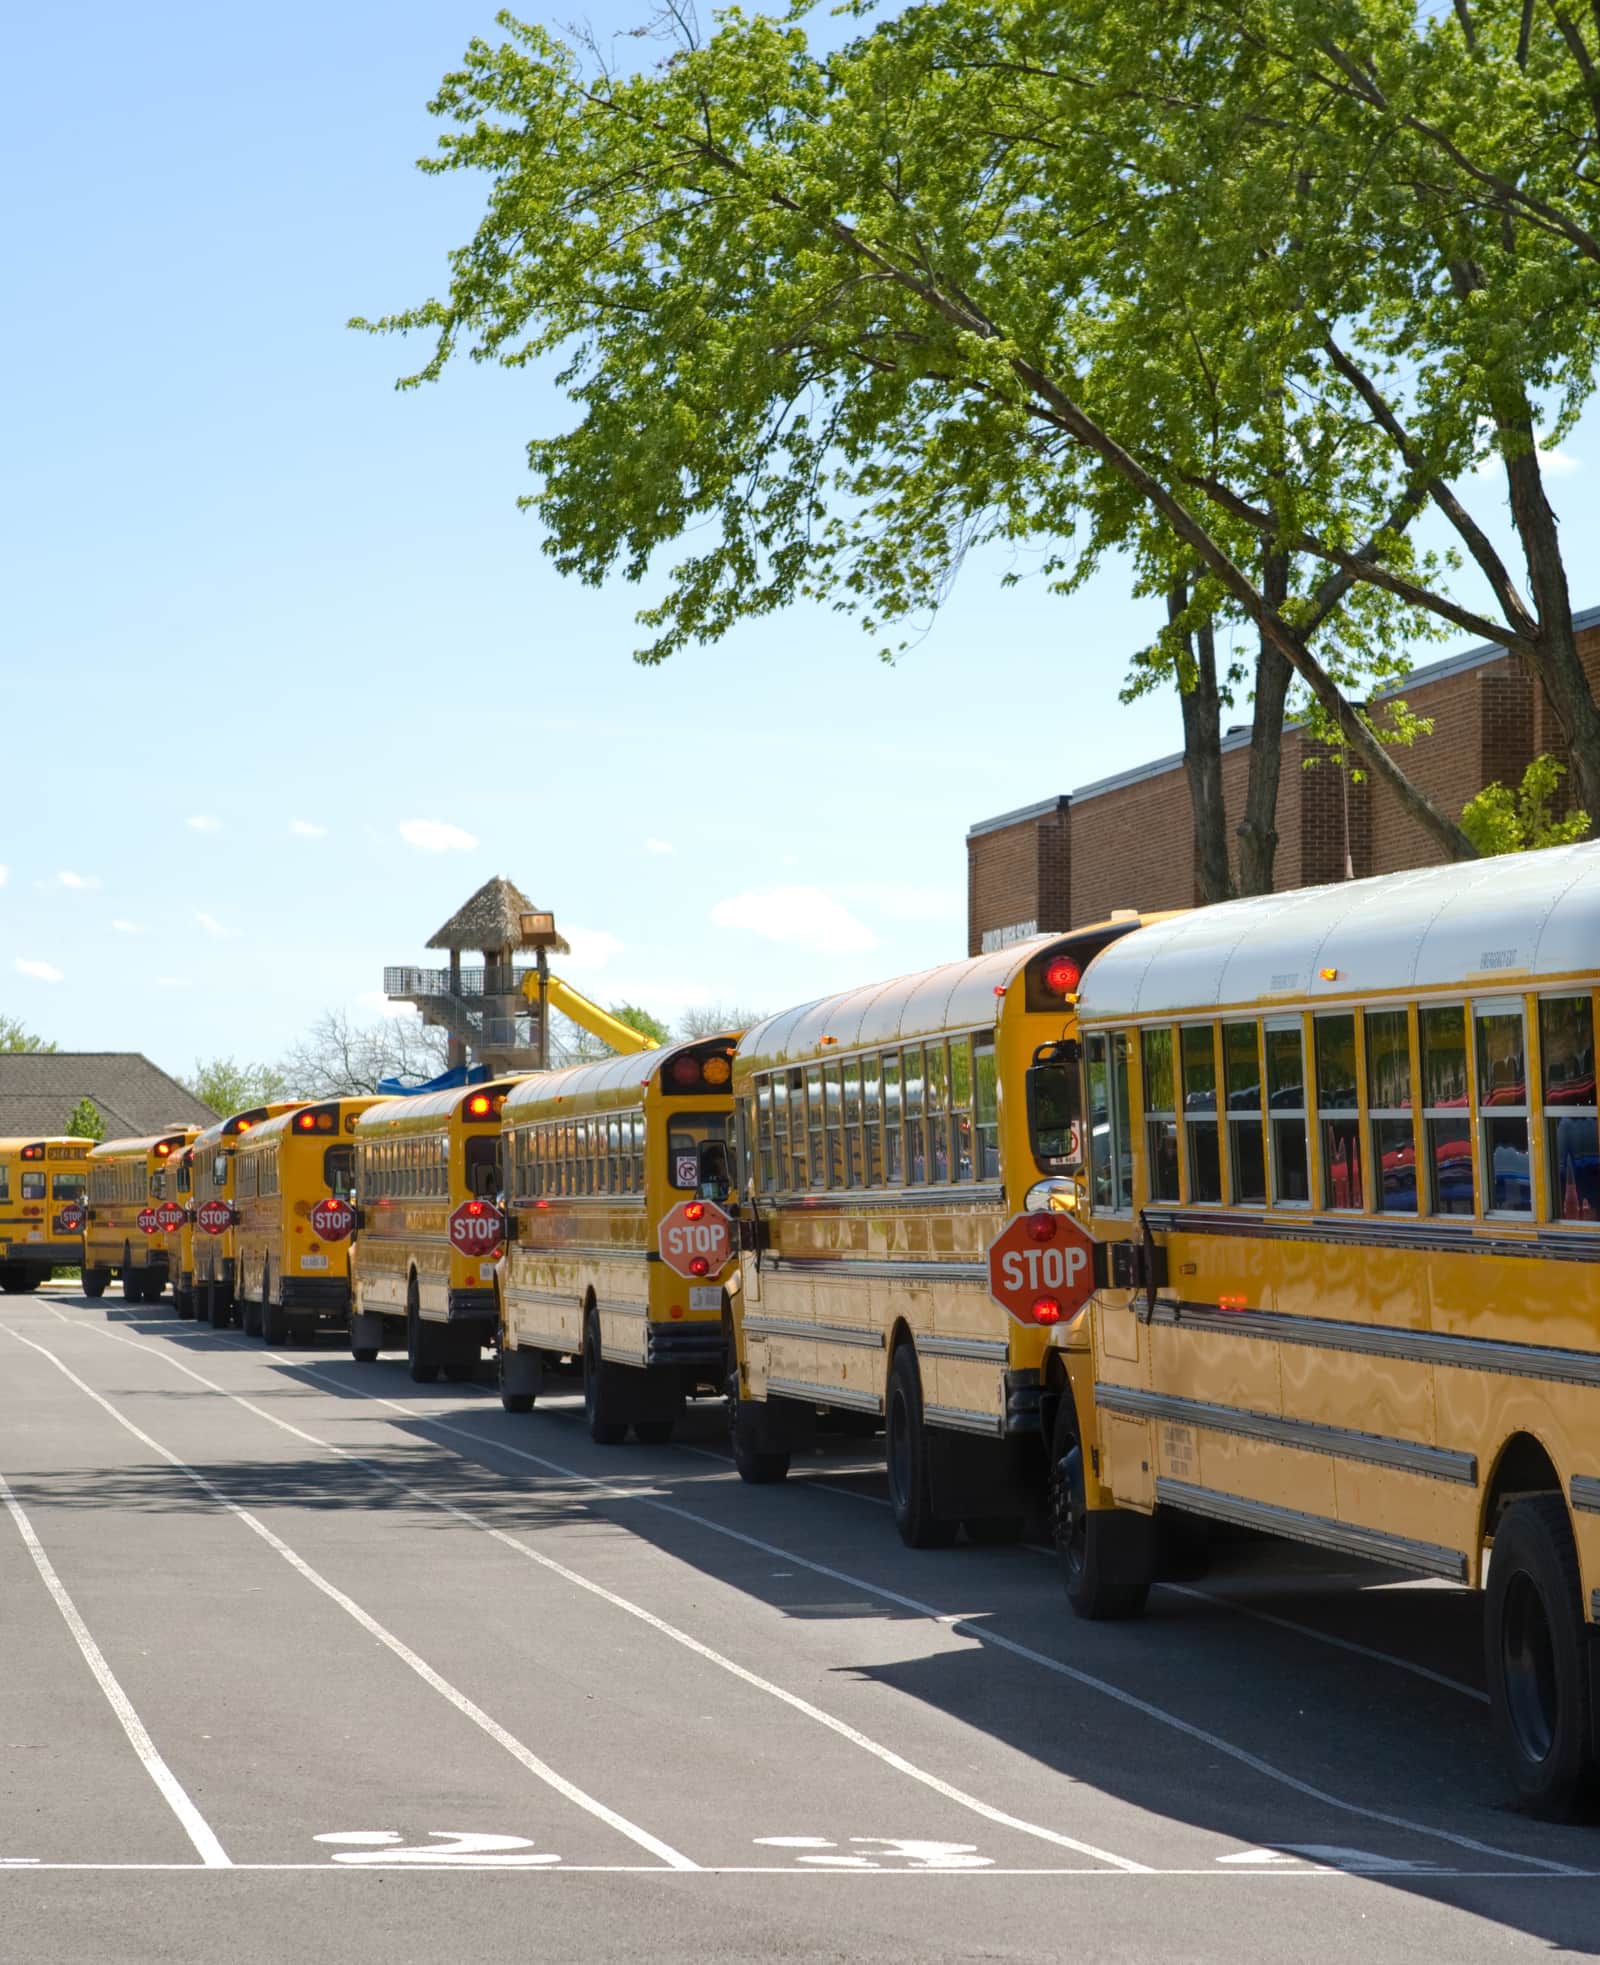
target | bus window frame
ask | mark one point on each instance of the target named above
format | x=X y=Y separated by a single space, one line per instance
x=1482 y=1115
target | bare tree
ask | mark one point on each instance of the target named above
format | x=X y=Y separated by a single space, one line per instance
x=712 y=1019
x=340 y=1059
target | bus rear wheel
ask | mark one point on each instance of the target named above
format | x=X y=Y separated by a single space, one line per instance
x=95 y=1282
x=274 y=1318
x=1536 y=1654
x=910 y=1489
x=606 y=1428
x=17 y=1281
x=423 y=1365
x=1106 y=1554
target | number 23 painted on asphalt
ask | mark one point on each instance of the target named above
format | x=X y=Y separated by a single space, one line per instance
x=447 y=1846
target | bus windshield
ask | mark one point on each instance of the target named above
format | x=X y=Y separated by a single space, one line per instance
x=1054 y=1111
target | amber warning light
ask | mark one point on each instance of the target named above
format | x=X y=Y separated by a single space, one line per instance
x=480 y=1106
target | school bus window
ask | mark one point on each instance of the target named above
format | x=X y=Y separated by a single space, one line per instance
x=1110 y=1157
x=1197 y=1054
x=985 y=1109
x=33 y=1187
x=852 y=1122
x=339 y=1171
x=1451 y=1188
x=68 y=1187
x=1389 y=1110
x=697 y=1152
x=872 y=1120
x=1054 y=1112
x=1572 y=1121
x=1241 y=1060
x=1503 y=1107
x=1160 y=1115
x=833 y=1122
x=961 y=1108
x=1338 y=1118
x=937 y=1120
x=1286 y=1114
x=893 y=1160
x=913 y=1142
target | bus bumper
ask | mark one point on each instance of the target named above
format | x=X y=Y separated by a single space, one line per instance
x=325 y=1299
x=42 y=1255
x=1024 y=1395
x=472 y=1307
x=702 y=1347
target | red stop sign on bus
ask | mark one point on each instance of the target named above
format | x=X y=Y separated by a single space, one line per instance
x=476 y=1228
x=147 y=1221
x=332 y=1219
x=169 y=1217
x=1041 y=1268
x=71 y=1219
x=695 y=1239
x=213 y=1217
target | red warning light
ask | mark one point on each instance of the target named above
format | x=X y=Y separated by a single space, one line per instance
x=694 y=1210
x=1041 y=1228
x=1063 y=976
x=479 y=1106
x=307 y=1121
x=698 y=1266
x=1046 y=1310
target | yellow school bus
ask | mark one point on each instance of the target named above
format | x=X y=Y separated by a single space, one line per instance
x=428 y=1229
x=1345 y=1141
x=172 y=1191
x=293 y=1187
x=42 y=1187
x=212 y=1204
x=122 y=1237
x=597 y=1158
x=887 y=1135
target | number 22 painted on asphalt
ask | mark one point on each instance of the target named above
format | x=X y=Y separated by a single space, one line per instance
x=447 y=1846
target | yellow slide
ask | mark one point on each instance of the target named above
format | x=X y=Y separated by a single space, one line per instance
x=588 y=1016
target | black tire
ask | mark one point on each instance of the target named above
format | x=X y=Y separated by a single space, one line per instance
x=1536 y=1654
x=364 y=1354
x=993 y=1531
x=653 y=1432
x=132 y=1286
x=910 y=1494
x=249 y=1316
x=95 y=1281
x=599 y=1396
x=1106 y=1554
x=460 y=1373
x=756 y=1463
x=511 y=1401
x=419 y=1351
x=187 y=1305
x=13 y=1278
x=155 y=1285
x=274 y=1318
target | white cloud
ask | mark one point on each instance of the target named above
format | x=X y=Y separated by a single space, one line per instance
x=435 y=836
x=40 y=971
x=79 y=882
x=802 y=917
x=658 y=845
x=307 y=829
x=203 y=822
x=211 y=925
x=897 y=902
x=1554 y=461
x=128 y=927
x=1559 y=463
x=373 y=1003
x=592 y=948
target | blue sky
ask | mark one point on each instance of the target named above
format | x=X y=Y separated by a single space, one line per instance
x=278 y=640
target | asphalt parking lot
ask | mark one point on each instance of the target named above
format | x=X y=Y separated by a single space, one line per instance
x=305 y=1660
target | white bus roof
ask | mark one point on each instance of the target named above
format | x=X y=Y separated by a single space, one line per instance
x=1479 y=926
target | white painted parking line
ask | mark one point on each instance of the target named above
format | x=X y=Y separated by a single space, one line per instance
x=996 y=1640
x=1295 y=1871
x=194 y=1824
x=540 y=1769
x=887 y=1755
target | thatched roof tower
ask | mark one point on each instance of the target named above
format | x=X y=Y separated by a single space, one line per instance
x=491 y=921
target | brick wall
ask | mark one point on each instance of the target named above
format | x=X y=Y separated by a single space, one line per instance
x=1129 y=841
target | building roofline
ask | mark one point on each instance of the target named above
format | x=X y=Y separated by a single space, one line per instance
x=1023 y=812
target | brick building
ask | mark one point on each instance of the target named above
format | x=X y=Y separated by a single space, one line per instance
x=1128 y=841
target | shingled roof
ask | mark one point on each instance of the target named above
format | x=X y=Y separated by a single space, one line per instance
x=491 y=920
x=38 y=1089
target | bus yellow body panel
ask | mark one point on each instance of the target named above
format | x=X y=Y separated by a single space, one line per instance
x=212 y=1158
x=287 y=1278
x=38 y=1178
x=595 y=1157
x=418 y=1160
x=174 y=1182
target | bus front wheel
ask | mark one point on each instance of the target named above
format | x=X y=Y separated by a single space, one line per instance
x=606 y=1427
x=906 y=1437
x=1106 y=1554
x=95 y=1281
x=1536 y=1655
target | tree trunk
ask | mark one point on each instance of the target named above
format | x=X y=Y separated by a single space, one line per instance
x=1202 y=758
x=1554 y=658
x=1258 y=829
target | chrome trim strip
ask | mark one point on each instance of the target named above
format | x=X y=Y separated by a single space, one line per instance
x=824 y=1395
x=911 y=1270
x=1585 y=1491
x=959 y=1419
x=1342 y=1442
x=1494 y=1354
x=1379 y=1232
x=758 y=1326
x=900 y=1200
x=980 y=1350
x=634 y=1252
x=1346 y=1537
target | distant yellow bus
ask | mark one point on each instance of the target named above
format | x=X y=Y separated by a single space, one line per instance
x=888 y=1135
x=293 y=1185
x=428 y=1229
x=171 y=1190
x=38 y=1179
x=122 y=1237
x=1346 y=1143
x=596 y=1158
x=212 y=1202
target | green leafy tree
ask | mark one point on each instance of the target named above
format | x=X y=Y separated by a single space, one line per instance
x=15 y=1036
x=228 y=1086
x=86 y=1121
x=1500 y=820
x=641 y=1021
